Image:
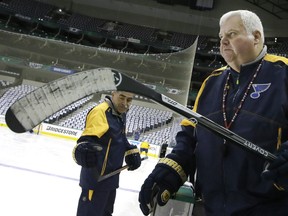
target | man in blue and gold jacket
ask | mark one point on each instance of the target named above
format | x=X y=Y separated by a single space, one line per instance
x=250 y=98
x=101 y=150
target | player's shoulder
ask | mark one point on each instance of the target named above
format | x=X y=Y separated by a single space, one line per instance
x=219 y=70
x=99 y=109
x=216 y=73
x=275 y=58
x=101 y=106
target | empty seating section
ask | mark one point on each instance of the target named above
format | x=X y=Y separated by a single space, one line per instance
x=95 y=24
x=141 y=117
x=158 y=137
x=28 y=8
x=182 y=40
x=279 y=48
x=82 y=22
x=13 y=94
x=146 y=119
x=202 y=43
x=4 y=84
x=133 y=31
x=5 y=5
x=77 y=121
x=165 y=134
x=78 y=21
x=68 y=110
x=73 y=116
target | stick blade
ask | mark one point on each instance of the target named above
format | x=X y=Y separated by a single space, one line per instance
x=38 y=105
x=13 y=123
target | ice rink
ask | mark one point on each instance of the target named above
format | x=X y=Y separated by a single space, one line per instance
x=39 y=177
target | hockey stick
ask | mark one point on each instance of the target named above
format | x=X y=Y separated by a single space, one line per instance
x=128 y=84
x=101 y=178
x=27 y=112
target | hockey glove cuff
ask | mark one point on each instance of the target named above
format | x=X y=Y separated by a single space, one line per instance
x=132 y=158
x=85 y=154
x=165 y=180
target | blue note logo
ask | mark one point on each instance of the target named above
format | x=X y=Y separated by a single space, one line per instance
x=259 y=88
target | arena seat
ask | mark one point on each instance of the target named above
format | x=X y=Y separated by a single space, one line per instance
x=13 y=94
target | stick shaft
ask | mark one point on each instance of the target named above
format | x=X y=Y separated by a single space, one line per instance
x=101 y=178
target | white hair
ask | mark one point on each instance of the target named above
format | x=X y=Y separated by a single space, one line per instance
x=249 y=19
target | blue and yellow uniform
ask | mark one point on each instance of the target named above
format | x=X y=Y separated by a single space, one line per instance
x=144 y=146
x=230 y=177
x=105 y=127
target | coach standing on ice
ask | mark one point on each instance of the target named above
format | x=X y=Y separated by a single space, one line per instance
x=100 y=150
x=249 y=97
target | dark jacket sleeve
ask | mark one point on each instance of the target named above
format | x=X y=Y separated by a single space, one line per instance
x=185 y=146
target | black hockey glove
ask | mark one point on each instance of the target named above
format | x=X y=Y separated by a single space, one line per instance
x=85 y=154
x=132 y=158
x=165 y=180
x=278 y=169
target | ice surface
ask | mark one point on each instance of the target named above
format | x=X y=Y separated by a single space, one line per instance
x=39 y=177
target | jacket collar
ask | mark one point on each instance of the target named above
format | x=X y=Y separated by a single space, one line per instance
x=108 y=100
x=259 y=57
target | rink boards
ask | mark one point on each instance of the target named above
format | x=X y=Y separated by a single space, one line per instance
x=70 y=133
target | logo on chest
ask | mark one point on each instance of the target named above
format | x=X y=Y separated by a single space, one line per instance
x=259 y=88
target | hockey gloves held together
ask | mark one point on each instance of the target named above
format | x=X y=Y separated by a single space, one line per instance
x=165 y=180
x=132 y=158
x=86 y=153
x=278 y=169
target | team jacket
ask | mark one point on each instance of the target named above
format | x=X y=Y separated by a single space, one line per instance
x=229 y=176
x=145 y=145
x=107 y=128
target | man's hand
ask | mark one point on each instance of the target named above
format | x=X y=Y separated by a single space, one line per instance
x=278 y=169
x=85 y=154
x=165 y=180
x=132 y=158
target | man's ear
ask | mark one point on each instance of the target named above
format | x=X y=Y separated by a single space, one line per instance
x=257 y=37
x=113 y=93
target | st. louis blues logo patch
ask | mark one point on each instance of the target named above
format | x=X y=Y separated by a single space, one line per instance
x=259 y=88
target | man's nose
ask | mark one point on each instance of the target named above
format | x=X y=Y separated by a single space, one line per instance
x=224 y=41
x=126 y=104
